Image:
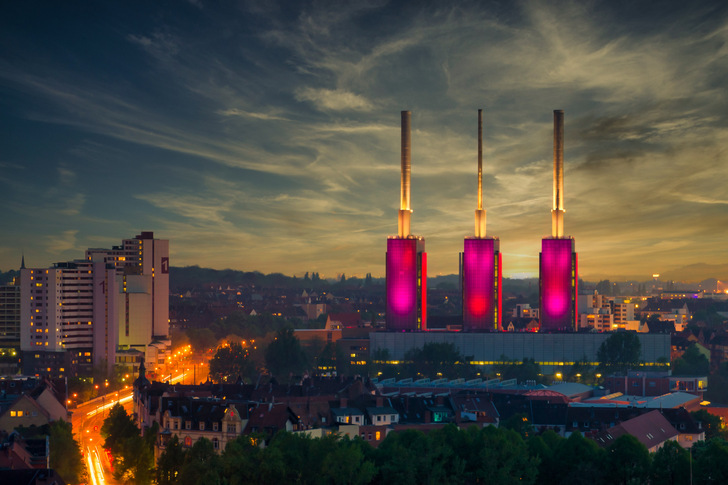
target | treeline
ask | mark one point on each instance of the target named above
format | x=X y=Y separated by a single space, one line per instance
x=7 y=276
x=189 y=277
x=447 y=455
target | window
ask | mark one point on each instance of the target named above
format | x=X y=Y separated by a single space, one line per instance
x=13 y=414
x=202 y=428
x=379 y=418
x=231 y=428
x=20 y=414
x=377 y=436
x=188 y=424
x=214 y=426
x=188 y=441
x=215 y=443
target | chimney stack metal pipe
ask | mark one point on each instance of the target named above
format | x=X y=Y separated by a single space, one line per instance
x=480 y=212
x=557 y=214
x=480 y=159
x=405 y=211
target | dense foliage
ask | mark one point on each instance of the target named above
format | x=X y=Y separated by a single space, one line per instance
x=284 y=356
x=230 y=363
x=619 y=353
x=133 y=454
x=447 y=455
x=692 y=363
x=65 y=452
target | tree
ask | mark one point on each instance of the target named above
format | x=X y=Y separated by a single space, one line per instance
x=711 y=461
x=519 y=423
x=117 y=428
x=170 y=462
x=231 y=362
x=619 y=353
x=527 y=370
x=201 y=339
x=284 y=354
x=709 y=422
x=435 y=359
x=202 y=465
x=65 y=453
x=627 y=461
x=604 y=287
x=242 y=460
x=347 y=465
x=691 y=363
x=133 y=454
x=580 y=460
x=670 y=465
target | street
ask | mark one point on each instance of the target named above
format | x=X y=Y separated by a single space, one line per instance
x=88 y=417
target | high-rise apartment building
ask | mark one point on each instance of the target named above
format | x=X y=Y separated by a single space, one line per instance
x=10 y=316
x=76 y=314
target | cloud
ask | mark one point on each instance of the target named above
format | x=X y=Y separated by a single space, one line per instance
x=278 y=131
x=337 y=99
x=248 y=114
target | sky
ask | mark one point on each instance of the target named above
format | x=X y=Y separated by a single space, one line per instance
x=264 y=136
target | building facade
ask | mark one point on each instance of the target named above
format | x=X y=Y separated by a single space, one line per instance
x=74 y=315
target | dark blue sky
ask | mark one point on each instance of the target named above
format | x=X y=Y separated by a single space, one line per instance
x=264 y=136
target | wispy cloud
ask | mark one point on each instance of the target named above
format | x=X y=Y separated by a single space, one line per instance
x=279 y=131
x=333 y=99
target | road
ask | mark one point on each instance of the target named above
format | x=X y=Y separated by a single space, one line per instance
x=89 y=416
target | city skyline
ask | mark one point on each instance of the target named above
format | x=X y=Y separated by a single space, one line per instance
x=266 y=137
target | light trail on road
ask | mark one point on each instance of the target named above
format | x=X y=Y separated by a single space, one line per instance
x=99 y=467
x=109 y=405
x=91 y=470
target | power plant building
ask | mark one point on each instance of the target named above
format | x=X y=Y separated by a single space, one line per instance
x=481 y=266
x=558 y=259
x=406 y=259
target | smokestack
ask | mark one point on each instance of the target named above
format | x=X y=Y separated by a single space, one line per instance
x=479 y=212
x=403 y=229
x=557 y=214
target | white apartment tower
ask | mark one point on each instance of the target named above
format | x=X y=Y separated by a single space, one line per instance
x=76 y=314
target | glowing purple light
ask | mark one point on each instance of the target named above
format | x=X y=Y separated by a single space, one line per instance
x=479 y=284
x=558 y=277
x=401 y=284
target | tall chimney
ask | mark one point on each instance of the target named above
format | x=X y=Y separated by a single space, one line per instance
x=557 y=214
x=480 y=212
x=403 y=226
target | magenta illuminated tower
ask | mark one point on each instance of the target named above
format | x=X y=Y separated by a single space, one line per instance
x=481 y=266
x=406 y=257
x=558 y=259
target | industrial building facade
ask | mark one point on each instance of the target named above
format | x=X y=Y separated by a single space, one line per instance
x=548 y=350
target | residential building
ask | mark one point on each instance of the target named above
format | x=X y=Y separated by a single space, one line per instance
x=651 y=429
x=191 y=419
x=74 y=315
x=9 y=328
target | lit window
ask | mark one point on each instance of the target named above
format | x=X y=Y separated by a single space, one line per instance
x=20 y=414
